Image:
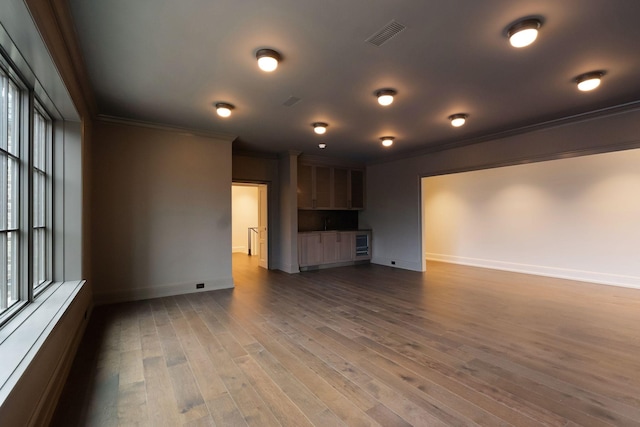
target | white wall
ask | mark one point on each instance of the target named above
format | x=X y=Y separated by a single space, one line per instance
x=161 y=212
x=68 y=215
x=393 y=208
x=244 y=209
x=576 y=218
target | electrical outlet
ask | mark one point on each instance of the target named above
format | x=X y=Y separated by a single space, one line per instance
x=393 y=263
x=200 y=286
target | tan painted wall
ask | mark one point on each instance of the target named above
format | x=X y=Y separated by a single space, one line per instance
x=393 y=188
x=573 y=218
x=161 y=212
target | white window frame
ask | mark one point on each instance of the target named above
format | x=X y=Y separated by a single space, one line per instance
x=28 y=228
x=41 y=207
x=11 y=190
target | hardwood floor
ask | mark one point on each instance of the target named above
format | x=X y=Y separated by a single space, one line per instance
x=364 y=345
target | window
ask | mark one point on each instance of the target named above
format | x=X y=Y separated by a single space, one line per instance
x=23 y=219
x=41 y=265
x=9 y=193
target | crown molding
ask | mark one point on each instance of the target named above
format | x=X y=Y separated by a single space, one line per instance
x=166 y=128
x=55 y=24
x=546 y=125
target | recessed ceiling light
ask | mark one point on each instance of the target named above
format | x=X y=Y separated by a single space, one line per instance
x=223 y=109
x=385 y=96
x=322 y=146
x=458 y=120
x=524 y=32
x=589 y=81
x=319 y=127
x=387 y=141
x=268 y=59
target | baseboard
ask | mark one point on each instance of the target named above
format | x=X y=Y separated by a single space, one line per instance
x=397 y=263
x=333 y=265
x=539 y=270
x=136 y=294
x=289 y=268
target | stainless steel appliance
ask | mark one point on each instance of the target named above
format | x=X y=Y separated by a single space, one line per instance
x=363 y=245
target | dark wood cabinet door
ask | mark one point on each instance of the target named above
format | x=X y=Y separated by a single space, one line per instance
x=340 y=188
x=323 y=187
x=305 y=187
x=357 y=189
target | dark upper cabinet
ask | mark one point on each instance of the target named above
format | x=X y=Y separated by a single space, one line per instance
x=322 y=187
x=305 y=186
x=330 y=188
x=340 y=188
x=356 y=189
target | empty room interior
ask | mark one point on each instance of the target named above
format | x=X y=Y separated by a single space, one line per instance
x=319 y=213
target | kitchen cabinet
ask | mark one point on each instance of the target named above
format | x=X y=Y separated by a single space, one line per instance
x=344 y=246
x=327 y=247
x=310 y=249
x=356 y=189
x=330 y=188
x=322 y=187
x=305 y=186
x=337 y=246
x=340 y=188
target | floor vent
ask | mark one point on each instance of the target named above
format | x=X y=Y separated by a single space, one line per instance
x=386 y=33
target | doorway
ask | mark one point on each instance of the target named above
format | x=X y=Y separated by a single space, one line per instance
x=249 y=219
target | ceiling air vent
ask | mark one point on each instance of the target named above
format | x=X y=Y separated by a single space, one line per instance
x=386 y=33
x=291 y=101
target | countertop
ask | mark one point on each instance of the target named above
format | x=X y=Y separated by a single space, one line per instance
x=334 y=231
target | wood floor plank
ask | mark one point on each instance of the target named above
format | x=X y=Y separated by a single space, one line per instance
x=453 y=388
x=189 y=400
x=386 y=396
x=387 y=417
x=364 y=345
x=598 y=407
x=225 y=412
x=345 y=409
x=208 y=379
x=161 y=404
x=557 y=402
x=304 y=399
x=284 y=410
x=246 y=398
x=350 y=371
x=132 y=405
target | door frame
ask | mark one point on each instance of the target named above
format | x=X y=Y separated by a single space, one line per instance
x=268 y=185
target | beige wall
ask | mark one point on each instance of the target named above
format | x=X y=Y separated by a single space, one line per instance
x=161 y=209
x=244 y=208
x=574 y=218
x=288 y=250
x=393 y=188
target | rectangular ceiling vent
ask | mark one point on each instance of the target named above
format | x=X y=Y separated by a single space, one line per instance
x=291 y=101
x=386 y=33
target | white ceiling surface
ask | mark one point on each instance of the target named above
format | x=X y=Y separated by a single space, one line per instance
x=168 y=62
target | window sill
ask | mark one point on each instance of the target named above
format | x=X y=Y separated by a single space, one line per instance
x=23 y=336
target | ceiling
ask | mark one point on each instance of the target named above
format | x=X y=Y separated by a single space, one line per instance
x=168 y=62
